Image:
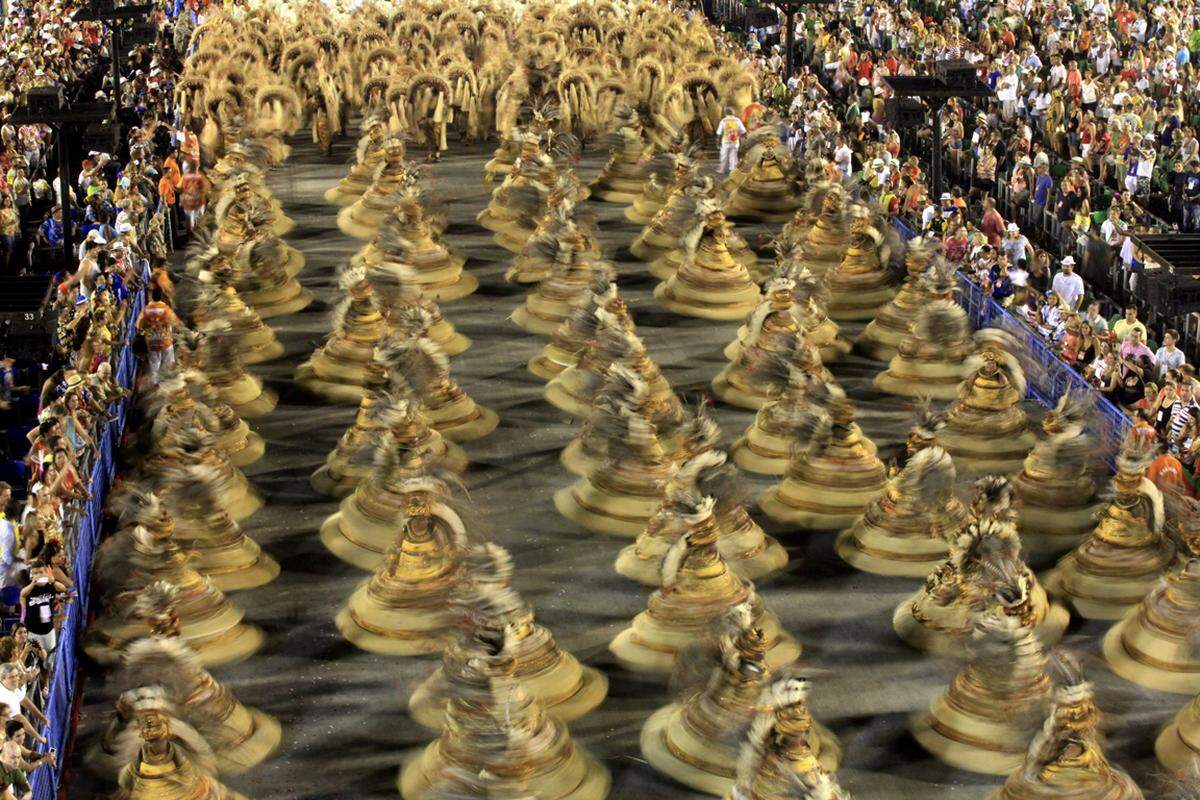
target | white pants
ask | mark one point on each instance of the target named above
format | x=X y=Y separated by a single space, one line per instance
x=193 y=216
x=729 y=158
x=48 y=641
x=156 y=360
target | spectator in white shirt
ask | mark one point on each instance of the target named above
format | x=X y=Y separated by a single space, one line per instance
x=1145 y=164
x=1111 y=229
x=1067 y=285
x=1058 y=72
x=13 y=695
x=1018 y=276
x=843 y=157
x=10 y=565
x=1089 y=92
x=1168 y=356
x=1016 y=246
x=1006 y=93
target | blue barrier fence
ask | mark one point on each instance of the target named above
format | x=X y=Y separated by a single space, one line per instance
x=1048 y=376
x=60 y=705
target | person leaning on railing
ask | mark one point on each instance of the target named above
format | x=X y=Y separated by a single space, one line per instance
x=17 y=762
x=14 y=697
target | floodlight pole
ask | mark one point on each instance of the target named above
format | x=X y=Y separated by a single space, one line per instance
x=63 y=122
x=936 y=91
x=64 y=202
x=104 y=12
x=790 y=7
x=936 y=104
x=114 y=37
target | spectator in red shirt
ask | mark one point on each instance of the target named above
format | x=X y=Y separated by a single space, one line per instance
x=992 y=223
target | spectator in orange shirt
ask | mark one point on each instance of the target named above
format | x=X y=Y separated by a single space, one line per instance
x=189 y=148
x=166 y=191
x=193 y=195
x=1166 y=472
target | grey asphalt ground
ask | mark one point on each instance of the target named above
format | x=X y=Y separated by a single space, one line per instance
x=343 y=710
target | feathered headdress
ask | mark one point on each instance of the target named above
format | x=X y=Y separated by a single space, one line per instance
x=941 y=322
x=993 y=497
x=700 y=431
x=136 y=504
x=986 y=541
x=927 y=420
x=691 y=508
x=694 y=231
x=928 y=478
x=163 y=661
x=155 y=601
x=781 y=694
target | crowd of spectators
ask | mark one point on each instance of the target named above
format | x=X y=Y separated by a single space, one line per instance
x=1092 y=127
x=118 y=209
x=47 y=48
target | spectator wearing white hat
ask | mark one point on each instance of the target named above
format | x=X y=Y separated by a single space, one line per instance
x=93 y=239
x=1068 y=285
x=1016 y=246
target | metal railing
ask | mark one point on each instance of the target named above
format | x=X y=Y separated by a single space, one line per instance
x=60 y=704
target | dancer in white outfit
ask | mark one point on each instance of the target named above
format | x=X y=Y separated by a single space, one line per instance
x=729 y=133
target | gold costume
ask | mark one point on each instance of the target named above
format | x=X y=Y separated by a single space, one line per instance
x=939 y=616
x=622 y=176
x=571 y=337
x=931 y=357
x=986 y=430
x=240 y=737
x=861 y=285
x=382 y=415
x=1066 y=760
x=343 y=359
x=778 y=760
x=408 y=240
x=622 y=491
x=748 y=551
x=613 y=341
x=925 y=280
x=832 y=478
x=162 y=771
x=908 y=529
x=566 y=688
x=1127 y=553
x=985 y=719
x=767 y=185
x=367 y=158
x=697 y=589
x=405 y=608
x=496 y=729
x=709 y=281
x=695 y=740
x=138 y=556
x=255 y=341
x=1056 y=496
x=774 y=345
